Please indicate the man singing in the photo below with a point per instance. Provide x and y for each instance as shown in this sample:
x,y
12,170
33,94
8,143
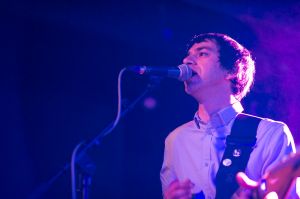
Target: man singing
x,y
200,161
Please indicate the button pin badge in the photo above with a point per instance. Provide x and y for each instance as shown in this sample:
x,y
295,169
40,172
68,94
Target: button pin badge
x,y
227,162
237,152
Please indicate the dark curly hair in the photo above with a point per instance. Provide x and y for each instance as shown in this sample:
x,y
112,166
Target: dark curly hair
x,y
234,58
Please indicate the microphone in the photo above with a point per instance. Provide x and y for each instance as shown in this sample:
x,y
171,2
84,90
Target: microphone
x,y
182,72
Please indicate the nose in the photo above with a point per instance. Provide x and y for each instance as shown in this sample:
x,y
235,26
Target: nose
x,y
188,60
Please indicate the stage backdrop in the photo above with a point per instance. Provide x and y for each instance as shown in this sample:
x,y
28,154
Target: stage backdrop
x,y
60,62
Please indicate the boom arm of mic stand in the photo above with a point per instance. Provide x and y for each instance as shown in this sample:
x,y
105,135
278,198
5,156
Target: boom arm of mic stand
x,y
44,187
97,140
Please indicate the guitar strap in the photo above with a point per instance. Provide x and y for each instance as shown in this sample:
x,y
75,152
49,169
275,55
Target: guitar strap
x,y
239,145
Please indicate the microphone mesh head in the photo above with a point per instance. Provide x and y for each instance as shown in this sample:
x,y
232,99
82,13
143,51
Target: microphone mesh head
x,y
185,72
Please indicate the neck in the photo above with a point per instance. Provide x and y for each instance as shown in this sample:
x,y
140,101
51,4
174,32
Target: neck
x,y
211,106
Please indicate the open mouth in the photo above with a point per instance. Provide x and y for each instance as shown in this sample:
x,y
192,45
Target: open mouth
x,y
194,73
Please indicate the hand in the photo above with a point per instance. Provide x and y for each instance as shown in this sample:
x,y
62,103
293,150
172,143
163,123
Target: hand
x,y
249,189
179,190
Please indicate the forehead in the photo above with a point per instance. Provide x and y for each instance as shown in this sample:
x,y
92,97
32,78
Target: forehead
x,y
210,45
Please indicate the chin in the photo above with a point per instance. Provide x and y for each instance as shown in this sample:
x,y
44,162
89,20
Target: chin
x,y
188,90
192,91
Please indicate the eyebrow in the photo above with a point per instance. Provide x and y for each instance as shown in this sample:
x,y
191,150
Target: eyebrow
x,y
202,48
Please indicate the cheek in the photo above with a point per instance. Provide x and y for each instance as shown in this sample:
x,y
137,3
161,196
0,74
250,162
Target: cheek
x,y
214,73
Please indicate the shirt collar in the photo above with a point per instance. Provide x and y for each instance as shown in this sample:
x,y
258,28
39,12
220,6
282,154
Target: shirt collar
x,y
220,118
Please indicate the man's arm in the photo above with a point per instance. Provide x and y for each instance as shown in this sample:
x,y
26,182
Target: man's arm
x,y
280,181
275,143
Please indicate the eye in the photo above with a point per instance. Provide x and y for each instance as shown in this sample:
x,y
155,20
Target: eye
x,y
203,54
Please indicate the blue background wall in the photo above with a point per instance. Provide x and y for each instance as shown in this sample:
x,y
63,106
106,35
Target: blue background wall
x,y
60,61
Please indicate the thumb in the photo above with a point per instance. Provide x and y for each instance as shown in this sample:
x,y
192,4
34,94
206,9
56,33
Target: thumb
x,y
245,182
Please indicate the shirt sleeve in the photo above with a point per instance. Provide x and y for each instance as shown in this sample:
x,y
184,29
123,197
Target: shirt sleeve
x,y
167,173
278,142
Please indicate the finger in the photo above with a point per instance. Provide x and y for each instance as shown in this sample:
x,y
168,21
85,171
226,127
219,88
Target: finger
x,y
175,185
271,195
186,197
178,193
183,193
179,190
245,182
242,193
187,184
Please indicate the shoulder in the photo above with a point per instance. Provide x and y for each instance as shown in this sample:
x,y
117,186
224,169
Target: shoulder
x,y
273,127
274,142
275,132
268,126
181,132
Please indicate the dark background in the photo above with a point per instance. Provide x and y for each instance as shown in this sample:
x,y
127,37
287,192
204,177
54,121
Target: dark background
x,y
60,62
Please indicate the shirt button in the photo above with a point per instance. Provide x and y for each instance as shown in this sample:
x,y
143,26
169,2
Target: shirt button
x,y
206,164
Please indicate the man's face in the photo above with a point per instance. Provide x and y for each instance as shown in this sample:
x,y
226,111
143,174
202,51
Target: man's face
x,y
203,59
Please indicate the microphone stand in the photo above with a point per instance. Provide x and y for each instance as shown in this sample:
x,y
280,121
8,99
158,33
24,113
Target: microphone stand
x,y
87,168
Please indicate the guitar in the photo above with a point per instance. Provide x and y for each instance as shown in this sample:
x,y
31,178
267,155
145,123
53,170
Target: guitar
x,y
278,181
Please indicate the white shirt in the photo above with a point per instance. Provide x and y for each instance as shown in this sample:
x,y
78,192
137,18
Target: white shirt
x,y
194,150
